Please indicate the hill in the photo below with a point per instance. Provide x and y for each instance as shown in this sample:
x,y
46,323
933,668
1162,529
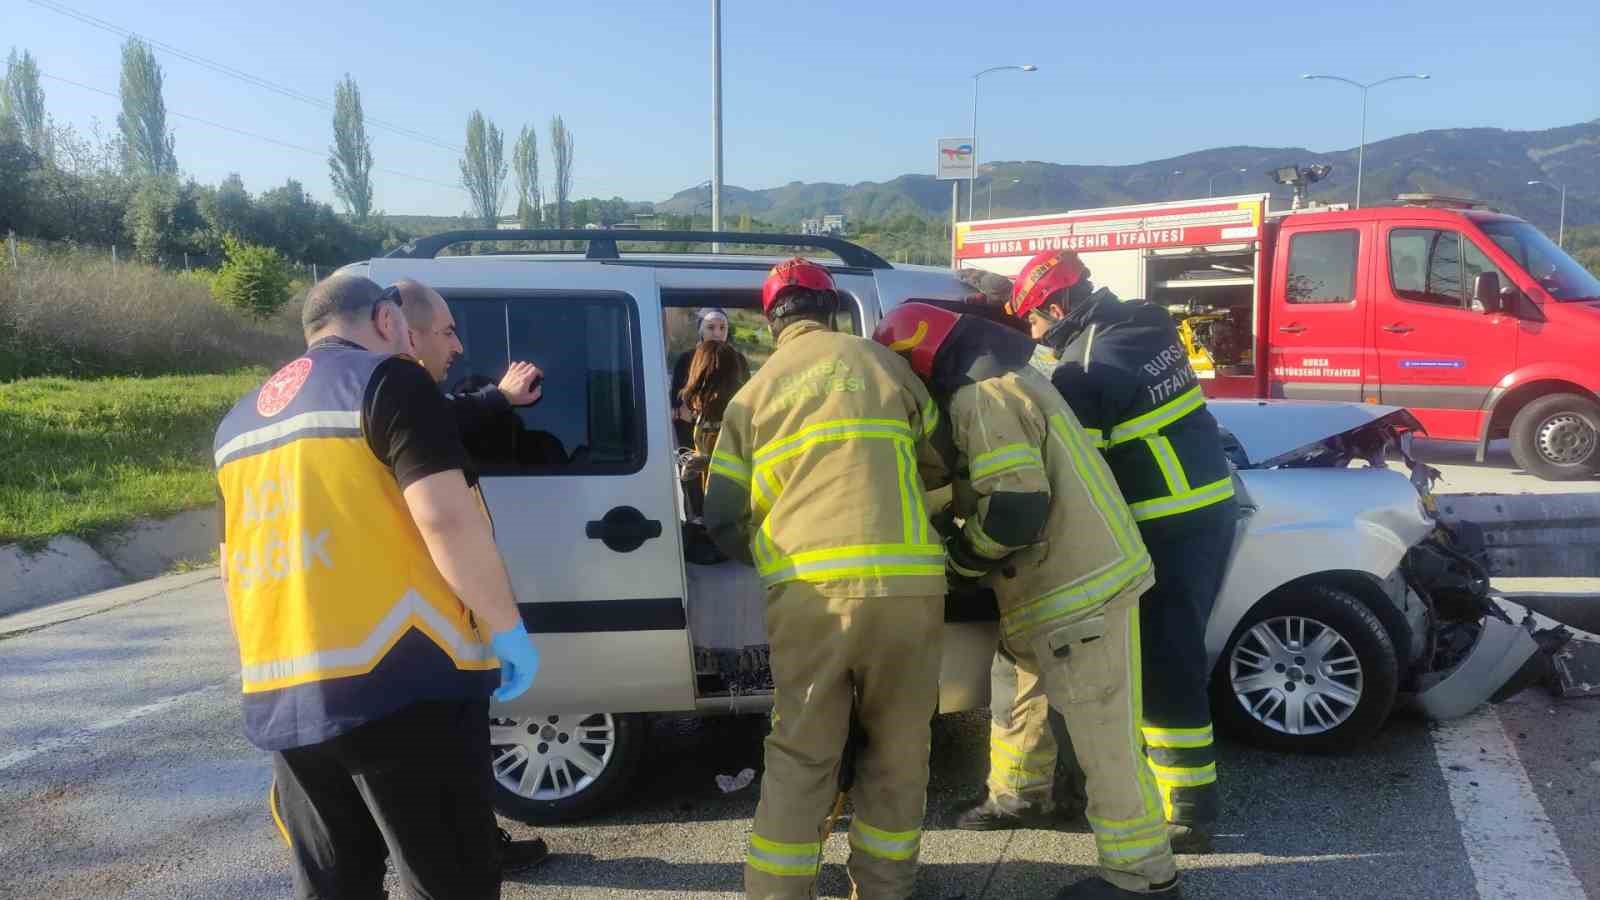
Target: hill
x,y
1488,164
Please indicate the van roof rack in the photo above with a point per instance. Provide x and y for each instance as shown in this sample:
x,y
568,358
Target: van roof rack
x,y
1440,201
602,242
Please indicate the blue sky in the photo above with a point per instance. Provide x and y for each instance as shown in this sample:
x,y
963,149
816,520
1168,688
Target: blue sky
x,y
828,90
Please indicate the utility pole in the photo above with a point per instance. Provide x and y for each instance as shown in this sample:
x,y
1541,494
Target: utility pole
x,y
1561,227
716,120
972,186
1361,150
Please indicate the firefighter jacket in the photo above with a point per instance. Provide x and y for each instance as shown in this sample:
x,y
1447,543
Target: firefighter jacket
x,y
815,475
340,614
1040,505
1124,372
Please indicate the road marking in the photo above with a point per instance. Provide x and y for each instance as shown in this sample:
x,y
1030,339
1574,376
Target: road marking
x,y
88,733
1511,845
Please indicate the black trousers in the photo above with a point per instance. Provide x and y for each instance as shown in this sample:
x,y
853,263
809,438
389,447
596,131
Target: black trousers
x,y
1189,566
415,785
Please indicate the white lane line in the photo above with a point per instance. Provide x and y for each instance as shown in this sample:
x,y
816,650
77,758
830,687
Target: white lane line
x,y
88,733
1511,845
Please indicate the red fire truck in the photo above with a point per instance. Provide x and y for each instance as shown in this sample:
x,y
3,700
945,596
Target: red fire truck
x,y
1474,320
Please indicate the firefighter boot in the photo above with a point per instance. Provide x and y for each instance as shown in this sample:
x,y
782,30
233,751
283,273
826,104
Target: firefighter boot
x,y
1190,839
1100,889
996,814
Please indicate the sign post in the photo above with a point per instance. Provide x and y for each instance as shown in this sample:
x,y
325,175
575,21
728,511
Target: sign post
x,y
955,164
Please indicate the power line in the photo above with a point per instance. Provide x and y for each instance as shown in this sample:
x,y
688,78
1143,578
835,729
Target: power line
x,y
231,72
251,134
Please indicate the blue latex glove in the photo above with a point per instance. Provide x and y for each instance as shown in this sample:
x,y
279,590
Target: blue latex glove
x,y
519,661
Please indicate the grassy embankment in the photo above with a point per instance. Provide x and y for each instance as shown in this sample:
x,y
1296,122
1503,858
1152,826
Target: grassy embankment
x,y
112,381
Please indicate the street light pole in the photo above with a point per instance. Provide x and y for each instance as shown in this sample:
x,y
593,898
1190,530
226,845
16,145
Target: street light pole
x,y
990,214
1361,150
1210,181
716,119
972,182
1561,227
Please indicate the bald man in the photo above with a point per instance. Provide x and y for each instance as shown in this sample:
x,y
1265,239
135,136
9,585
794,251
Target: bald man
x,y
437,346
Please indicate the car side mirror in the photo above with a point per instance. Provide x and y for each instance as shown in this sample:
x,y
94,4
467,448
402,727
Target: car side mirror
x,y
1486,292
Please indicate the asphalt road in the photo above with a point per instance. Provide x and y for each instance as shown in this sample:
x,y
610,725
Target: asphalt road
x,y
123,773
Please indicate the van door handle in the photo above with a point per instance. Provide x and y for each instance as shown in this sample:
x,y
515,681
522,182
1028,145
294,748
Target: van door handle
x,y
623,529
1398,328
1292,328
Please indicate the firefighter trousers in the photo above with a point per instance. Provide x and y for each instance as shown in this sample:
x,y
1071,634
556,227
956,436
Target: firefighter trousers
x,y
1022,751
883,655
1090,670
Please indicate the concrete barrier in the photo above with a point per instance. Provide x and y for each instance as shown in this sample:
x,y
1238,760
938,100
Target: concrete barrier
x,y
68,567
1532,535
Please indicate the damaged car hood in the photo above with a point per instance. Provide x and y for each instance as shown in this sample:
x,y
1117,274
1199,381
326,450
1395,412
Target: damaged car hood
x,y
1262,434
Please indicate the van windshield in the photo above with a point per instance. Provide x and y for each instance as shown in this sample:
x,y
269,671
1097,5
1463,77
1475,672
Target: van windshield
x,y
1557,272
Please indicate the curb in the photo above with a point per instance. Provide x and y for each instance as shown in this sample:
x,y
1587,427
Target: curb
x,y
68,567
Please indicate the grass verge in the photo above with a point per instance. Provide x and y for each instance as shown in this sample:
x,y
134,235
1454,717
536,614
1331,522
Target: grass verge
x,y
83,457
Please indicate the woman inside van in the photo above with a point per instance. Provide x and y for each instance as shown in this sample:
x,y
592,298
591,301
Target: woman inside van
x,y
716,372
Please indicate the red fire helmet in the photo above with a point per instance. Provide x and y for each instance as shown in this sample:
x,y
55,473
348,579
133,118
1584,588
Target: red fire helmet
x,y
917,331
793,273
1046,273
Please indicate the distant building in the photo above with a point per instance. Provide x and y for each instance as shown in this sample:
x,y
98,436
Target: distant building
x,y
833,225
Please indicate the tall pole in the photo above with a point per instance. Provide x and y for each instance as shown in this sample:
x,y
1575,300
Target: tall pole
x,y
716,119
1361,149
1561,226
955,209
972,185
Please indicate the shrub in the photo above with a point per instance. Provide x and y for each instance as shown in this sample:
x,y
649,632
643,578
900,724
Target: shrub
x,y
254,280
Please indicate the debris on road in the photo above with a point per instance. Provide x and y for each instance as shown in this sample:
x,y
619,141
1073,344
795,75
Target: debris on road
x,y
731,783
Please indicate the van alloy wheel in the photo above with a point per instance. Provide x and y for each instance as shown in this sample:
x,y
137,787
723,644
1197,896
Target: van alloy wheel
x,y
551,757
1296,675
1566,439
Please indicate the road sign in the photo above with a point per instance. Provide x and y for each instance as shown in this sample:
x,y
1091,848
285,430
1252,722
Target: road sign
x,y
955,159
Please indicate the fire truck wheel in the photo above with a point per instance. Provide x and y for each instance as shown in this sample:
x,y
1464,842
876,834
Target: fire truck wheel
x,y
1557,437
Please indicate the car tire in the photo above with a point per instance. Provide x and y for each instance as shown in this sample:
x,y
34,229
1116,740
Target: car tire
x,y
1557,437
564,786
1338,694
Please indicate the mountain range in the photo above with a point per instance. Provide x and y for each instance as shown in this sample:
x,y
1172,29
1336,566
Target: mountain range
x,y
1489,164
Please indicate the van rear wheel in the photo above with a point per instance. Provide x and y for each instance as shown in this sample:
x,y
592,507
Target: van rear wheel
x,y
1557,437
556,768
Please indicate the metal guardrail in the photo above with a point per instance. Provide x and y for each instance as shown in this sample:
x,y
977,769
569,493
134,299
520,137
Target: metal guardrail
x,y
1532,535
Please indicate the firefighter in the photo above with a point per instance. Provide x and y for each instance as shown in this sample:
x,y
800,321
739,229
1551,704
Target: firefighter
x,y
1122,368
815,481
1042,525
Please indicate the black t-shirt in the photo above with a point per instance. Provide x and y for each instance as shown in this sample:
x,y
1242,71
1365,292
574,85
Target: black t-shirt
x,y
408,425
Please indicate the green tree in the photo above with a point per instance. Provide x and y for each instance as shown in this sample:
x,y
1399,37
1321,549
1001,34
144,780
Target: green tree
x,y
17,165
254,280
22,103
561,154
483,168
350,157
143,120
525,166
164,219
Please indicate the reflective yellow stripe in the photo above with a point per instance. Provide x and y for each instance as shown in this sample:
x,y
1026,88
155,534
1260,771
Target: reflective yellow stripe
x,y
781,859
1106,496
996,745
830,430
861,561
1171,469
884,844
905,469
730,467
1096,437
272,804
1205,495
1177,738
1013,768
764,492
1158,418
1005,459
1132,848
1155,800
1175,777
1076,598
1123,828
930,417
984,545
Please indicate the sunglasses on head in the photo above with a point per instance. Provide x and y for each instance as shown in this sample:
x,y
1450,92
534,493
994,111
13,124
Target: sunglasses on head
x,y
391,294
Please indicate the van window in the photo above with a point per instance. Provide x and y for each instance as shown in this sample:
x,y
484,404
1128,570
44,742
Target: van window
x,y
1322,267
1425,265
588,420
